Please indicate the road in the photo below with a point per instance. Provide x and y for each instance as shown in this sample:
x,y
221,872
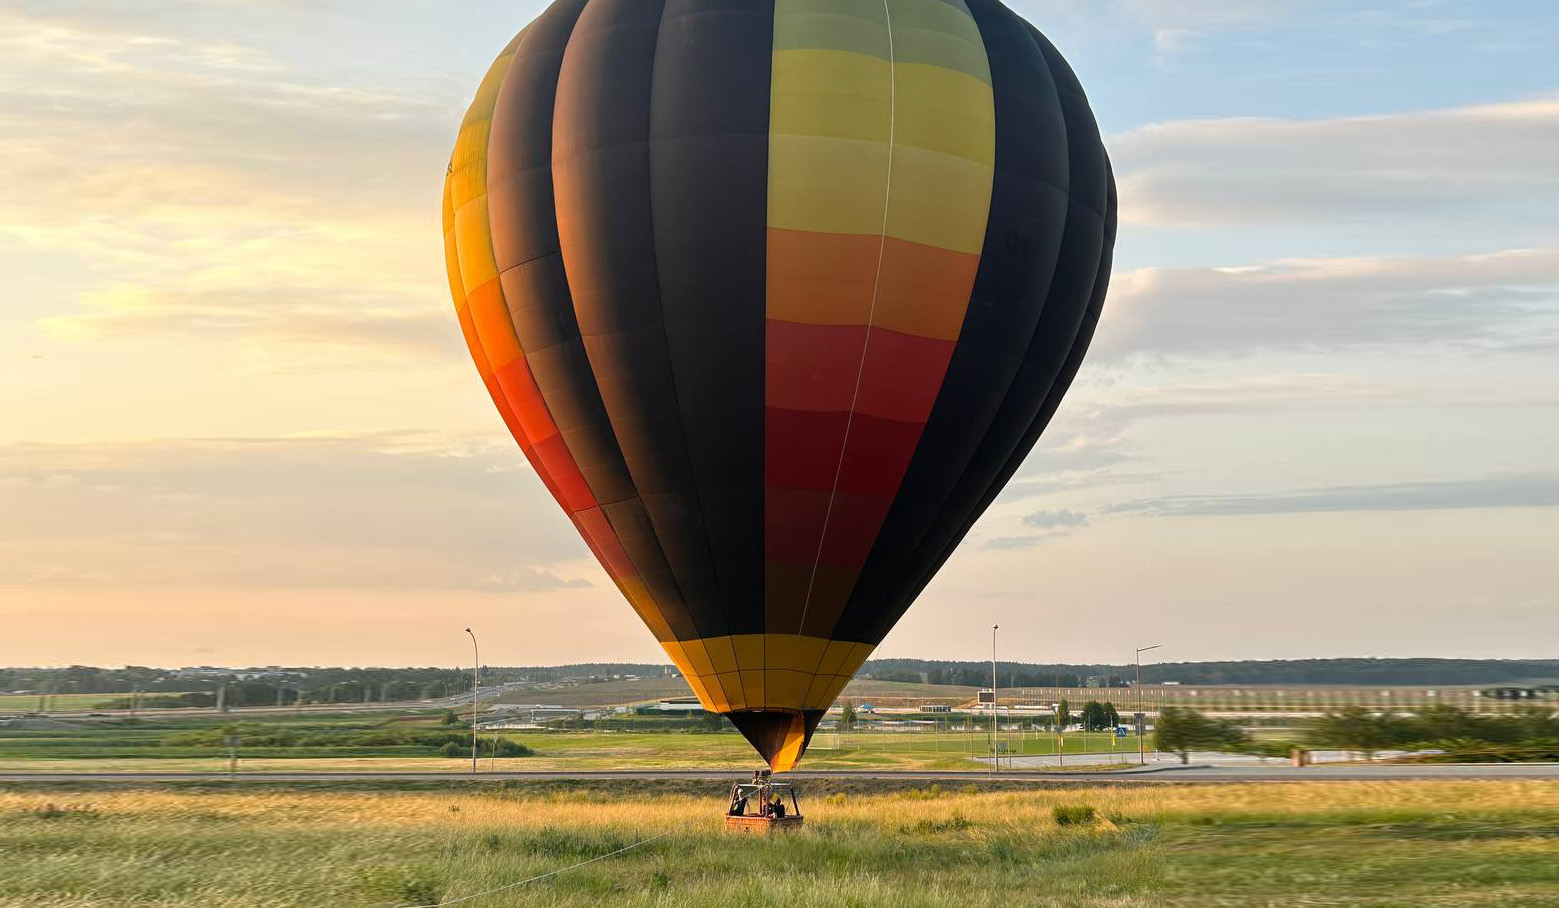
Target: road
x,y
1162,774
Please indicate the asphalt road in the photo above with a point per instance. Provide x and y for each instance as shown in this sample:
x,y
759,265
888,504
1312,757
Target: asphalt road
x,y
1162,774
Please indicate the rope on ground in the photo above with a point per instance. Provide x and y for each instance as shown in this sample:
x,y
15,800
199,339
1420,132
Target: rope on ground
x,y
551,873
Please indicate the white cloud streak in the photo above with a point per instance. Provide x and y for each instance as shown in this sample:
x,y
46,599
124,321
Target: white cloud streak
x,y
382,511
1448,495
1506,300
1494,159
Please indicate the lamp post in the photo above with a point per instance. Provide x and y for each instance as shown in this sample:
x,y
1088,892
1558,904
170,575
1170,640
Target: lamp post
x,y
1142,745
995,757
476,667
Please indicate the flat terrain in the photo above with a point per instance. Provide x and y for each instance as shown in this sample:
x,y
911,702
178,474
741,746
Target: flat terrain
x,y
1161,772
26,703
617,693
1362,845
387,742
602,693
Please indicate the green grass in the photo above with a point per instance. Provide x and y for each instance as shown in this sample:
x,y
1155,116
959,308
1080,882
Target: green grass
x,y
601,693
1480,845
615,693
26,703
194,743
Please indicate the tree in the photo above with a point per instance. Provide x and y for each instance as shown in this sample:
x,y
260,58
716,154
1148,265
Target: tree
x,y
1111,717
1063,714
847,716
1180,730
1356,728
1097,716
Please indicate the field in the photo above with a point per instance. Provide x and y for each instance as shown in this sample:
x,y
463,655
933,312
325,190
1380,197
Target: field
x,y
601,693
398,742
1477,844
26,703
615,693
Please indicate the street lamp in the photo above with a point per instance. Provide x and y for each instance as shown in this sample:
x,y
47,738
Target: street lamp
x,y
1142,710
995,757
476,667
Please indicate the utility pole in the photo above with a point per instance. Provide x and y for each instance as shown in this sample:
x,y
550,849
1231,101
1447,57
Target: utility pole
x,y
995,756
1142,744
476,668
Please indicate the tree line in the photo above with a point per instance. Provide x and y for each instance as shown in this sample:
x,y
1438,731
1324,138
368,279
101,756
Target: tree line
x,y
1288,671
1530,733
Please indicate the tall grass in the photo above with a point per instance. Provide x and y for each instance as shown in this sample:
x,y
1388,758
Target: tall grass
x,y
1358,844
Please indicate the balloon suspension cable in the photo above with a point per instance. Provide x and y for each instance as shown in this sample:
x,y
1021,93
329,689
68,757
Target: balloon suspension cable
x,y
871,312
551,873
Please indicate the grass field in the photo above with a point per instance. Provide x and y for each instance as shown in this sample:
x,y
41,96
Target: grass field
x,y
26,703
170,744
1477,844
615,693
602,693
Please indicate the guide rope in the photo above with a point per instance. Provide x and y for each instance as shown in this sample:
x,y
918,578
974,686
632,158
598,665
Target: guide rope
x,y
551,873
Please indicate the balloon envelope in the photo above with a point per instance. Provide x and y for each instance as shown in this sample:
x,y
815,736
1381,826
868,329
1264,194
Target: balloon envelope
x,y
775,296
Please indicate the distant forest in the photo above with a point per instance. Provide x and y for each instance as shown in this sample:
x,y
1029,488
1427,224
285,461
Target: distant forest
x,y
279,685
1287,671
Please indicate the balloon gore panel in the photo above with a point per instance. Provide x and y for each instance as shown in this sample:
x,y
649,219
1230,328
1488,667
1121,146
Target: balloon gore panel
x,y
775,296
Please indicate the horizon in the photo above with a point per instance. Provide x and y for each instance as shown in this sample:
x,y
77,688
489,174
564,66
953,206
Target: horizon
x,y
874,658
1319,414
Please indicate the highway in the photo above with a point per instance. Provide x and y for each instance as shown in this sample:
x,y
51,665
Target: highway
x,y
1357,772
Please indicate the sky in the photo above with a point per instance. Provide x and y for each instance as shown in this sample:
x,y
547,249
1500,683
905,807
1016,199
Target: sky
x,y
1320,418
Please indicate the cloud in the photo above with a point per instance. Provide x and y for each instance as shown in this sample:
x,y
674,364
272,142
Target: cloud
x,y
1088,444
1494,159
1045,520
213,191
392,510
1017,543
1502,492
1182,16
1211,15
1505,300
1074,452
264,317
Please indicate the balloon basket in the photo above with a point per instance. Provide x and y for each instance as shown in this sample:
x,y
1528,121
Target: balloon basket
x,y
763,806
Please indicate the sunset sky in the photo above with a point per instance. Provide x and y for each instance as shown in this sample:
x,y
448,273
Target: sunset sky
x,y
1321,417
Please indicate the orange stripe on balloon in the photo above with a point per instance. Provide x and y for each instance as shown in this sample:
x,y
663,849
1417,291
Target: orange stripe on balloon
x,y
598,533
827,279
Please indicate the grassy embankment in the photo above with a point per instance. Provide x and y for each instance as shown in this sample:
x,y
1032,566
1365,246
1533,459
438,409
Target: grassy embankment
x,y
1464,844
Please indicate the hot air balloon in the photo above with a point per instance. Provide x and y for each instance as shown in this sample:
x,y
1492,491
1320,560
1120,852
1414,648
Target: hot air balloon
x,y
775,296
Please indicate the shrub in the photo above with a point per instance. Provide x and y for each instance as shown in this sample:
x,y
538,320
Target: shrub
x,y
52,811
453,750
409,885
1072,814
956,823
1180,731
507,748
